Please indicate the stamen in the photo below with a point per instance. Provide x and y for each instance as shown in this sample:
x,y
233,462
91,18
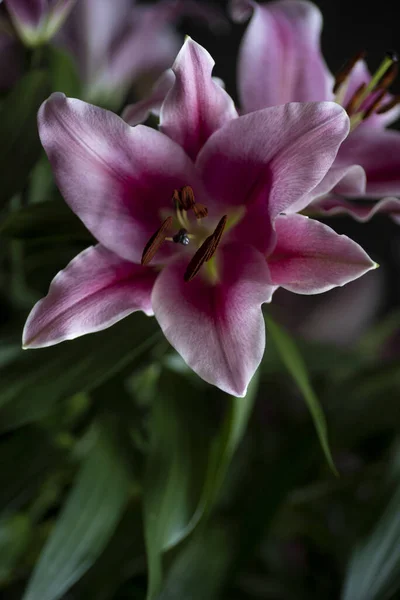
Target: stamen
x,y
374,105
206,250
347,68
354,101
379,76
386,107
388,78
156,240
184,198
200,210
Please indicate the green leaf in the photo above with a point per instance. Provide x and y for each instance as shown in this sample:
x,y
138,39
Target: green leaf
x,y
17,486
374,340
189,457
32,384
374,569
20,144
121,559
46,221
85,525
15,534
200,568
294,363
63,72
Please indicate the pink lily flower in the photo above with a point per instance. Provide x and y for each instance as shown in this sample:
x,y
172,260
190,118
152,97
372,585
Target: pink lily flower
x,y
37,21
196,223
280,61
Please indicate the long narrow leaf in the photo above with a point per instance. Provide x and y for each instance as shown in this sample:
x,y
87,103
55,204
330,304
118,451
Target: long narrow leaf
x,y
295,365
20,145
86,524
190,455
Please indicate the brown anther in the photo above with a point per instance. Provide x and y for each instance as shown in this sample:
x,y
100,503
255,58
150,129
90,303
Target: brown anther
x,y
354,100
374,105
345,71
206,250
156,240
387,78
386,107
184,197
200,210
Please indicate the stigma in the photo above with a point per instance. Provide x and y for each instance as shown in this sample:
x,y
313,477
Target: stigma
x,y
184,203
370,97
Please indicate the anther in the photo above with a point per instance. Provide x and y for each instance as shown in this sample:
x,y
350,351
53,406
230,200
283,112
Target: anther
x,y
184,198
156,240
374,105
388,77
181,237
200,210
354,101
347,68
386,107
206,250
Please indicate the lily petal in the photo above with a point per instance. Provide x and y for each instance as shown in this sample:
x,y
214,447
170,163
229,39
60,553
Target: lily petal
x,y
378,152
196,106
93,292
139,111
280,59
116,178
333,205
218,328
275,156
346,180
27,13
310,258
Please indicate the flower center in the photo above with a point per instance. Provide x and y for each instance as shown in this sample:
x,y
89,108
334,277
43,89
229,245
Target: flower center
x,y
188,233
368,98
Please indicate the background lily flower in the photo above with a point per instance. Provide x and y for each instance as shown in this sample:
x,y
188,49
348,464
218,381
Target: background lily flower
x,y
114,48
280,61
205,262
38,20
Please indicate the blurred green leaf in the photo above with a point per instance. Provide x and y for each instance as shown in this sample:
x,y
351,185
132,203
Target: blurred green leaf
x,y
264,487
17,486
200,569
20,144
123,557
15,534
63,72
86,523
355,405
46,221
294,363
373,341
190,453
42,186
37,379
374,568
